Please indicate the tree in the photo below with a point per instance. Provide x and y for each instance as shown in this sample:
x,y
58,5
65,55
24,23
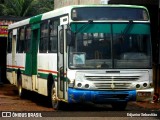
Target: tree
x,y
25,8
44,5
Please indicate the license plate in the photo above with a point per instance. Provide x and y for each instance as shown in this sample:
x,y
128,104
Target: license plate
x,y
144,94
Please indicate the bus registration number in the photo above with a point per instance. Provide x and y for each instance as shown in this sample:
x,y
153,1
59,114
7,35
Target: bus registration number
x,y
144,94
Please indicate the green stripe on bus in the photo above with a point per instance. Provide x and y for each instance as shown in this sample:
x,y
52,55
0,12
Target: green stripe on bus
x,y
35,19
10,69
45,76
13,69
136,28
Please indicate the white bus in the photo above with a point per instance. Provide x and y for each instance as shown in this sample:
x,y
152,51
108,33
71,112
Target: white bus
x,y
83,53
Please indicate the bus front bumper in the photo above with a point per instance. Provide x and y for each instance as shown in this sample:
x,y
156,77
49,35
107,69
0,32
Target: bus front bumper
x,y
145,94
79,96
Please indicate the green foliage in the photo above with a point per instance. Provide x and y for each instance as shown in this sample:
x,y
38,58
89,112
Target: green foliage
x,y
44,5
25,8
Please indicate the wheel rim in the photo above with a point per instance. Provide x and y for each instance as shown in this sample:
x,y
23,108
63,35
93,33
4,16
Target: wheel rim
x,y
20,86
54,98
20,90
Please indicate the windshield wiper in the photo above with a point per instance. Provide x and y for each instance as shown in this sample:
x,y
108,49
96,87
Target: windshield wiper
x,y
84,26
128,27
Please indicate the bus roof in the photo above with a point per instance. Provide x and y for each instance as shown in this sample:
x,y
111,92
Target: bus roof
x,y
63,11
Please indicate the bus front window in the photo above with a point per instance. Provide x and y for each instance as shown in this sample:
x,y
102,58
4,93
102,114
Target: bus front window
x,y
91,50
105,46
132,51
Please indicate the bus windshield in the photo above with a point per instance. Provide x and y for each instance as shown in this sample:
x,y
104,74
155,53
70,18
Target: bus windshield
x,y
108,45
103,13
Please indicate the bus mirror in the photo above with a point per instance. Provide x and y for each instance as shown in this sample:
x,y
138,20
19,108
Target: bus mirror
x,y
70,37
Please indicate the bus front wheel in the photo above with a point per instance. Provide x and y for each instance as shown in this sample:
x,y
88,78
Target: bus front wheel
x,y
56,103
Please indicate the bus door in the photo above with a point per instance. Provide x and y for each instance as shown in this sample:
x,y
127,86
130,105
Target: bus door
x,y
61,64
31,55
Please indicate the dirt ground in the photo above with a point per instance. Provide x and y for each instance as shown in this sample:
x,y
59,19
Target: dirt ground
x,y
10,101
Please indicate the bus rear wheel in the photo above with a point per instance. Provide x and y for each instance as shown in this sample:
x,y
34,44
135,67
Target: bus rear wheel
x,y
20,89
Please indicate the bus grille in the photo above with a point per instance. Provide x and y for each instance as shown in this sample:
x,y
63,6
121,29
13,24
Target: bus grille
x,y
112,82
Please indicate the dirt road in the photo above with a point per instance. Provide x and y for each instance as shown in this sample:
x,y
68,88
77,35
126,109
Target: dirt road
x,y
10,101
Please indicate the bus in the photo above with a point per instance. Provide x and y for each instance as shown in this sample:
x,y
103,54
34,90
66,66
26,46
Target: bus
x,y
83,53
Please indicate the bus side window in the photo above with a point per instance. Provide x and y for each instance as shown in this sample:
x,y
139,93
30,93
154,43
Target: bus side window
x,y
27,38
20,41
52,46
43,46
9,45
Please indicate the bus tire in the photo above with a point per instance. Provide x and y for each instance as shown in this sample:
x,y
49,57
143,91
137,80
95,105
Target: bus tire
x,y
20,89
56,103
119,106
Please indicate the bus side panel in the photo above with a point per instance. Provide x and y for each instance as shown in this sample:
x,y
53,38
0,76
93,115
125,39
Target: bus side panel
x,y
47,64
27,82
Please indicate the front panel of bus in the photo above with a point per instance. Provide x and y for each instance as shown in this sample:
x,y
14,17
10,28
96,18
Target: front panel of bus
x,y
110,55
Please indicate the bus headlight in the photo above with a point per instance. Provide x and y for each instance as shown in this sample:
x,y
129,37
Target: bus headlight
x,y
142,85
86,86
79,85
151,85
145,85
138,86
83,85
